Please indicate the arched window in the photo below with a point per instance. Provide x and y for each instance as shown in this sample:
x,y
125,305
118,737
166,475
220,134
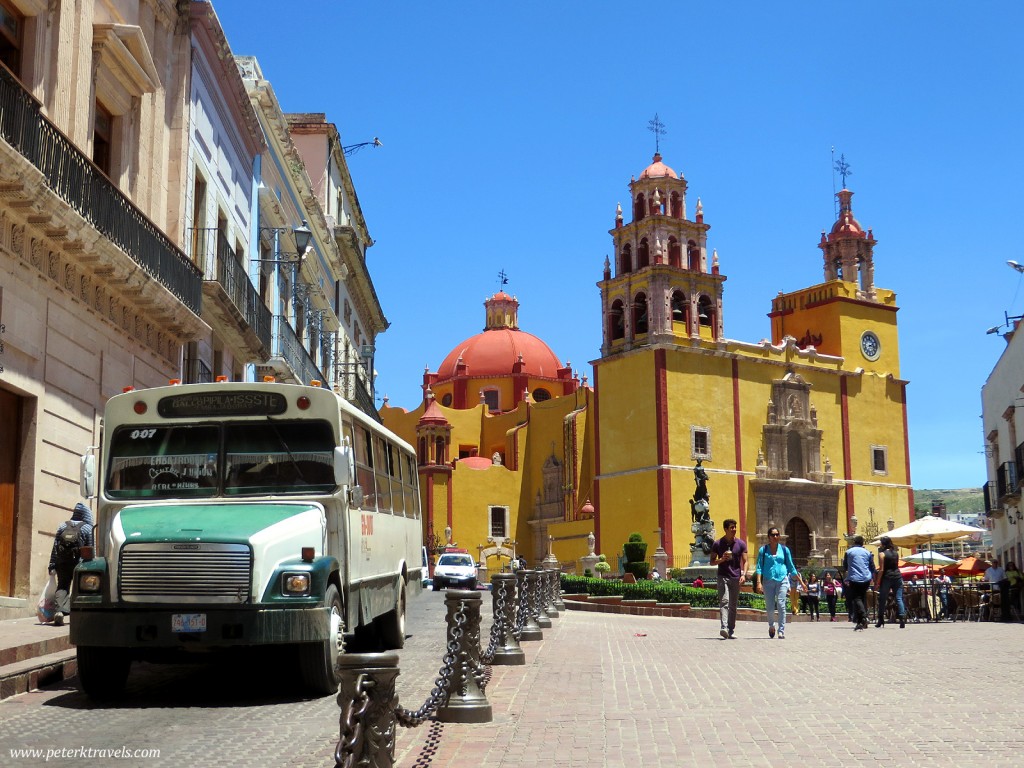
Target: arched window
x,y
675,253
639,207
626,260
643,254
616,322
423,457
676,206
692,256
706,312
439,450
540,395
446,401
640,314
680,309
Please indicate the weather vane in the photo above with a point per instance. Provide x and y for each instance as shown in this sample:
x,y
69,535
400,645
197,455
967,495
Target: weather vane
x,y
843,168
656,127
502,279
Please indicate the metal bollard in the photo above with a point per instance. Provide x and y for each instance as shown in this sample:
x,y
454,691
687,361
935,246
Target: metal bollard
x,y
549,594
535,580
507,650
557,591
528,627
466,702
368,700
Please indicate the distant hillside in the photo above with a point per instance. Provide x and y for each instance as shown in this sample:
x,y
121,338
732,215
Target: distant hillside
x,y
957,500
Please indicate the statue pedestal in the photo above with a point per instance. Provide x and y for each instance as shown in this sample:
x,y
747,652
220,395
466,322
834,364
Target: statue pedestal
x,y
704,535
707,573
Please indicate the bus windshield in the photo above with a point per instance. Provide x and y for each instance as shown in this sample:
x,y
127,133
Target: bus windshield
x,y
234,459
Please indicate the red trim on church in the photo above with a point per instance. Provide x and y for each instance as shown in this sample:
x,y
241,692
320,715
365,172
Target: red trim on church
x,y
664,475
596,499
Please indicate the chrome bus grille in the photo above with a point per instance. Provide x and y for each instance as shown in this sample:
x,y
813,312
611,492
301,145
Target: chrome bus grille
x,y
185,573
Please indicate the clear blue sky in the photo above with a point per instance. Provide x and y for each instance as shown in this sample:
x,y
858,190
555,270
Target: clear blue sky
x,y
511,131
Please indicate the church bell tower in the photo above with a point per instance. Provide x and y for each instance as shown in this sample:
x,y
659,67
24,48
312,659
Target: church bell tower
x,y
662,286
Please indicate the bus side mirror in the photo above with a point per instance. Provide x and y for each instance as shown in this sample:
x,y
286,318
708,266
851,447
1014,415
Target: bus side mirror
x,y
344,467
87,476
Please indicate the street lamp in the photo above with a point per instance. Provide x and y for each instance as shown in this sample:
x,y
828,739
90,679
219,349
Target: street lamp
x,y
302,235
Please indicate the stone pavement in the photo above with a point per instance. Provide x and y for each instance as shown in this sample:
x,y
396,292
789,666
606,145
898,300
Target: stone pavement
x,y
619,690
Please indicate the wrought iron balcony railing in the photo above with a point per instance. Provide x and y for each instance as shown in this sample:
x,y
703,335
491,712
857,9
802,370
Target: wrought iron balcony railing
x,y
197,372
220,264
287,346
1006,479
83,186
354,389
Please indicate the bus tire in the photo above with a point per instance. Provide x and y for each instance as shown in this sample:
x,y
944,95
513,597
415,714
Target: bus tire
x,y
392,624
318,662
102,672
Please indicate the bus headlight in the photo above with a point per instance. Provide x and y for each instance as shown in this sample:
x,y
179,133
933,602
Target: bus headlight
x,y
295,583
89,583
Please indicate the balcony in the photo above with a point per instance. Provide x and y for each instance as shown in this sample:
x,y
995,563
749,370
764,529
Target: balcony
x,y
289,357
992,508
1006,480
232,306
353,388
195,371
69,181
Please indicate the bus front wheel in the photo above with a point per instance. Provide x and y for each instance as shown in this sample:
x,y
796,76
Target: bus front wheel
x,y
318,662
102,672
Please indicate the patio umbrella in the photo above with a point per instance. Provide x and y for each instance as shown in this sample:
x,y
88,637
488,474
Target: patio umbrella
x,y
926,530
929,558
909,571
971,565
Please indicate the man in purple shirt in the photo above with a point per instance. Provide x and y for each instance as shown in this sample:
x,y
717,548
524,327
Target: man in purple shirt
x,y
730,555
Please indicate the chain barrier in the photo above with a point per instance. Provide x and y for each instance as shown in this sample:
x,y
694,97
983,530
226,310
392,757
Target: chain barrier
x,y
523,607
439,693
353,729
497,627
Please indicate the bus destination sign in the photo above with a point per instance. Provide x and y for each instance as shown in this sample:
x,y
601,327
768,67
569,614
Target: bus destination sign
x,y
211,404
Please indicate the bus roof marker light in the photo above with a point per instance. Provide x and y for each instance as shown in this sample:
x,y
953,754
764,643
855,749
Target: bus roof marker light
x,y
127,389
308,553
221,378
140,407
174,382
303,402
268,379
315,383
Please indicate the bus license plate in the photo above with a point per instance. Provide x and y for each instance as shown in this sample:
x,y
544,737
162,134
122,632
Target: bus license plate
x,y
188,622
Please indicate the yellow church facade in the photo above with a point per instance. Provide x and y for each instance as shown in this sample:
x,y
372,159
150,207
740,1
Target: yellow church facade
x,y
806,430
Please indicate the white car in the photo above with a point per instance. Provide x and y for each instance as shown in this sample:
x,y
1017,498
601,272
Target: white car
x,y
455,570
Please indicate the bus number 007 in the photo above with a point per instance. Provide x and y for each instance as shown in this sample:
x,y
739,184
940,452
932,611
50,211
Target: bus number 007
x,y
142,434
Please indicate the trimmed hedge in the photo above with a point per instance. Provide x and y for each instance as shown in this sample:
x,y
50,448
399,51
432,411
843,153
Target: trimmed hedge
x,y
662,591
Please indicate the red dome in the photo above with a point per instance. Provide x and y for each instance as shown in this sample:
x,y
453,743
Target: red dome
x,y
658,170
494,352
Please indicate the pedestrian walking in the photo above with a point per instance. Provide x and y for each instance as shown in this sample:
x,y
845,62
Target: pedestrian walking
x,y
831,590
814,596
730,555
859,567
889,580
71,536
774,570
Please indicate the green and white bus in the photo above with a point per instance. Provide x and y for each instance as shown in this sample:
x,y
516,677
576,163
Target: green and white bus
x,y
243,514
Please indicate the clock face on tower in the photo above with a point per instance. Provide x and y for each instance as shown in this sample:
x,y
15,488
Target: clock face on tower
x,y
870,346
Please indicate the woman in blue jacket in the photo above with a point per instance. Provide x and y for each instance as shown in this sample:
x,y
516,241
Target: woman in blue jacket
x,y
773,571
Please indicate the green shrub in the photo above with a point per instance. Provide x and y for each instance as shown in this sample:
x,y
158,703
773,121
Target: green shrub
x,y
635,537
587,573
640,570
635,549
603,566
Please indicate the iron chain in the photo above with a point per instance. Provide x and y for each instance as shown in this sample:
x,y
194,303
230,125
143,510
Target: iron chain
x,y
439,694
353,728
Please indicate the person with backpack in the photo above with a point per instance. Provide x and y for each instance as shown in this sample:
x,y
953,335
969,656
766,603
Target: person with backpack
x,y
773,571
71,536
